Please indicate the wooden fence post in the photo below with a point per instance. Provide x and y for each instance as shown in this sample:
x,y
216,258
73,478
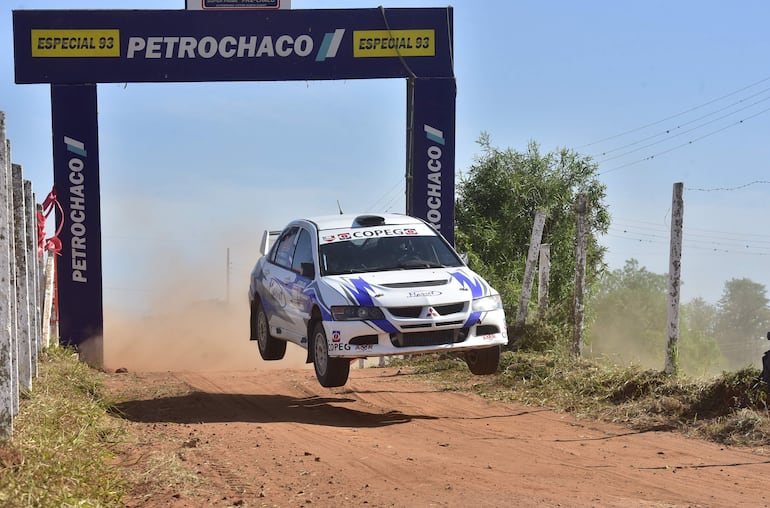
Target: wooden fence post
x,y
22,291
580,274
543,281
529,276
674,272
6,358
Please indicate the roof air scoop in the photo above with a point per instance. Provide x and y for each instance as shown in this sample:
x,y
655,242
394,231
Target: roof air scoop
x,y
369,220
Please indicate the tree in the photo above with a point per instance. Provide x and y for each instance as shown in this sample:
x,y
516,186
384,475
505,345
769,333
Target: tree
x,y
698,348
496,204
743,319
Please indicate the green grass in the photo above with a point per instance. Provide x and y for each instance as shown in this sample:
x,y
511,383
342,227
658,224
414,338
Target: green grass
x,y
730,409
63,440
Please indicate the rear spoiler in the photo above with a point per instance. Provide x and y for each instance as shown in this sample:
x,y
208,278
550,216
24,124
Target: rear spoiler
x,y
268,238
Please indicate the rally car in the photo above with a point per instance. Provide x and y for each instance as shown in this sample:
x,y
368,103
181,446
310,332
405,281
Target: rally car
x,y
346,287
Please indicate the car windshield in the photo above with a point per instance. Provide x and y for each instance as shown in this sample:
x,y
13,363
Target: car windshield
x,y
387,253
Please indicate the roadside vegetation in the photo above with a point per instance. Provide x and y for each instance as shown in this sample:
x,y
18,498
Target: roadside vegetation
x,y
730,408
63,440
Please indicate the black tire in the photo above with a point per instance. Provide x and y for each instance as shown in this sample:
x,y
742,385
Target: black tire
x,y
483,362
330,372
270,348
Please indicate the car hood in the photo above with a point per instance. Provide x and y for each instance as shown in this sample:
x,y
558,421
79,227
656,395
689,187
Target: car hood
x,y
409,287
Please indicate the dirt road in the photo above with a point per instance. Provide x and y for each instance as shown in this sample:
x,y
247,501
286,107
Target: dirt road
x,y
276,438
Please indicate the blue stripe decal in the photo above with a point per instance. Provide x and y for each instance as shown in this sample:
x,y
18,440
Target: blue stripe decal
x,y
475,286
361,292
473,319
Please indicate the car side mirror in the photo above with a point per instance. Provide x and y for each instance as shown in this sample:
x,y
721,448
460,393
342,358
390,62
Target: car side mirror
x,y
308,270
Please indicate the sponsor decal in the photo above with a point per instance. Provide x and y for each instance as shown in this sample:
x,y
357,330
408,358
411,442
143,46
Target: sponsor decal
x,y
423,293
233,46
393,43
335,336
76,43
339,347
77,204
364,347
276,291
434,174
370,233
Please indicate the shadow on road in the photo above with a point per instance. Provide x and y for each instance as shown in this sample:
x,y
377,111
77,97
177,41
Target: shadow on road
x,y
200,407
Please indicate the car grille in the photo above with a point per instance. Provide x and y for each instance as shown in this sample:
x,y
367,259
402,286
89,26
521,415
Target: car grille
x,y
416,311
431,338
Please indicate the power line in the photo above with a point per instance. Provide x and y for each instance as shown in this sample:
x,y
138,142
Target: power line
x,y
715,189
685,144
687,131
694,108
668,131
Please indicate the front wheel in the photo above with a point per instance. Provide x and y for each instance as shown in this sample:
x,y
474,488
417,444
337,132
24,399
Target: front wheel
x,y
330,372
483,362
270,348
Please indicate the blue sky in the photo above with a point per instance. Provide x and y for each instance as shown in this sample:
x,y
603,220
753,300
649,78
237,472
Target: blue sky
x,y
661,88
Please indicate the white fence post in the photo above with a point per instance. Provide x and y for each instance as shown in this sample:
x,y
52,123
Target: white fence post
x,y
12,259
32,286
48,301
23,336
6,358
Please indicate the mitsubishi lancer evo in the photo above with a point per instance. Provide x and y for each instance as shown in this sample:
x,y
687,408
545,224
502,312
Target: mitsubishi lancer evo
x,y
346,287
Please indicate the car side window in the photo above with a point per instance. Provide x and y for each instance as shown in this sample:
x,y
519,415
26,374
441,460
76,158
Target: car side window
x,y
284,249
304,251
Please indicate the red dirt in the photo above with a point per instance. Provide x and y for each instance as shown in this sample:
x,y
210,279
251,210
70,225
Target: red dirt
x,y
276,438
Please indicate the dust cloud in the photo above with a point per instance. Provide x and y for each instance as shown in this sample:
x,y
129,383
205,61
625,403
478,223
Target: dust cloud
x,y
180,317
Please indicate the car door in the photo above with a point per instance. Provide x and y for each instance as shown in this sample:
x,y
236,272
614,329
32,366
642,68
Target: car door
x,y
303,268
277,284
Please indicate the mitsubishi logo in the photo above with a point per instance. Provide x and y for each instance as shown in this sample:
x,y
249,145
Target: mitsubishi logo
x,y
432,313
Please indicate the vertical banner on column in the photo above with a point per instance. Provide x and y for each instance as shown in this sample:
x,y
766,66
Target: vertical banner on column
x,y
433,156
76,179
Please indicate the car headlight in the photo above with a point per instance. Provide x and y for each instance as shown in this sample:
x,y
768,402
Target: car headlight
x,y
356,313
487,303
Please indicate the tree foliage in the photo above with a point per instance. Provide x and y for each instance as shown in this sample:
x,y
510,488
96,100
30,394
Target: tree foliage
x,y
495,209
743,319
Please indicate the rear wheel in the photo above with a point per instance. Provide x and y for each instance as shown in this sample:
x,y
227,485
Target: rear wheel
x,y
270,348
483,362
330,372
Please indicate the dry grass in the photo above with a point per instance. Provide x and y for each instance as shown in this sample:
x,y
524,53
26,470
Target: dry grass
x,y
730,409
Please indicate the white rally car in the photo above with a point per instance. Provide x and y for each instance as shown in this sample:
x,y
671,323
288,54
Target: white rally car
x,y
347,287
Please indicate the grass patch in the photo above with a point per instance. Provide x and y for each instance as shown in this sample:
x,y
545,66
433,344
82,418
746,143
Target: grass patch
x,y
63,440
729,409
